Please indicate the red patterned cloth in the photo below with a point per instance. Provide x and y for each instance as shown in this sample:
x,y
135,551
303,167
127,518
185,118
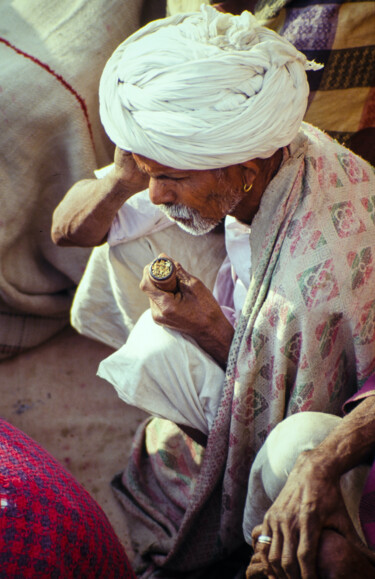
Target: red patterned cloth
x,y
50,527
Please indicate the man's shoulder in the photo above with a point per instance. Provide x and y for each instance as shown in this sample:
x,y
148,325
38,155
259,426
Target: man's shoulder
x,y
319,140
328,156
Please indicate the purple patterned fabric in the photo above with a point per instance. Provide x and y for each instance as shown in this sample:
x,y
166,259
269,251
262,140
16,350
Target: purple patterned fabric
x,y
339,35
311,28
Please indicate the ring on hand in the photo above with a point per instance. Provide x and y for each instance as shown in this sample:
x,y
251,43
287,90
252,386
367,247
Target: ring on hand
x,y
265,539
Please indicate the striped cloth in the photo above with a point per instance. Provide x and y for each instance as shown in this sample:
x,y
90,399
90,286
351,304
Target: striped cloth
x,y
341,35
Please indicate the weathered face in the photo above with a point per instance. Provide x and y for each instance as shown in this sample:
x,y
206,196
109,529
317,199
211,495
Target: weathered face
x,y
196,200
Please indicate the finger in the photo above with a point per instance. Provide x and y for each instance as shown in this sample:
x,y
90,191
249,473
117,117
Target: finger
x,y
156,313
307,549
183,276
165,256
121,152
265,529
278,532
156,294
286,553
259,571
146,284
259,566
122,157
177,264
262,549
275,553
255,533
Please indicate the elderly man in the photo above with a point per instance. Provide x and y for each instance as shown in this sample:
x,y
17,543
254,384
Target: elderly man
x,y
206,109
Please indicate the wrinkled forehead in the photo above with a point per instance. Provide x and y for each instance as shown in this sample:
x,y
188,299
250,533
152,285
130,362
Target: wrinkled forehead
x,y
152,167
146,164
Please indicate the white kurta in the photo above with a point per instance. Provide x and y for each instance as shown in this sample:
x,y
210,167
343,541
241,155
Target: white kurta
x,y
162,371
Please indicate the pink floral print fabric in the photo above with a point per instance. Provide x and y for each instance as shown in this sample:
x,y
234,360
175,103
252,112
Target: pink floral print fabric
x,y
305,341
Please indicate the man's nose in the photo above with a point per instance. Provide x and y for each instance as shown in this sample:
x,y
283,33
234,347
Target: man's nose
x,y
161,192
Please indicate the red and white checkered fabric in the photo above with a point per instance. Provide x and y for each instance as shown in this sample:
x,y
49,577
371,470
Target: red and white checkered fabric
x,y
50,527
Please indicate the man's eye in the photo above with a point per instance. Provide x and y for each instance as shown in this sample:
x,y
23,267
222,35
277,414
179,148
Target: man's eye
x,y
169,178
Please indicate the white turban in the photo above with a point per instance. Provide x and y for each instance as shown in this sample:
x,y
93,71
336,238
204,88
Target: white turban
x,y
204,90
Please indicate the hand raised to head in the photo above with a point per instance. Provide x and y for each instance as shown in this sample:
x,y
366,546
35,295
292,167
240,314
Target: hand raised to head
x,y
126,171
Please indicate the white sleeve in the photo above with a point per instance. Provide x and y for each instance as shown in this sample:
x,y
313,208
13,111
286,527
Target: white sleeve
x,y
136,218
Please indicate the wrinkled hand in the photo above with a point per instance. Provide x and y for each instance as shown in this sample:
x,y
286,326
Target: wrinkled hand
x,y
259,567
310,501
192,310
127,172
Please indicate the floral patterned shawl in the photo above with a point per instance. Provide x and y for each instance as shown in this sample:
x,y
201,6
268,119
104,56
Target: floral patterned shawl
x,y
305,341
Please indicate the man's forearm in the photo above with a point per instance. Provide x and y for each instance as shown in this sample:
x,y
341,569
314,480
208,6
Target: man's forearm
x,y
350,443
217,344
84,216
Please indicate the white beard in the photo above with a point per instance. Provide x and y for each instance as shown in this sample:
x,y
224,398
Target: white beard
x,y
192,221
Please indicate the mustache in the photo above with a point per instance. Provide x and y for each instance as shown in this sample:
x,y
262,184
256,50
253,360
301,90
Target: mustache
x,y
178,211
188,219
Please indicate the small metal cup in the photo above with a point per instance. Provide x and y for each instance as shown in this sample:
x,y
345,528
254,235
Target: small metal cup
x,y
162,273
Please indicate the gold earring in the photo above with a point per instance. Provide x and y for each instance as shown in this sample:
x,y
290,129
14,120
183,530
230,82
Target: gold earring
x,y
247,188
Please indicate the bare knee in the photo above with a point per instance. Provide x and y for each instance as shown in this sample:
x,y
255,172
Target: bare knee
x,y
340,559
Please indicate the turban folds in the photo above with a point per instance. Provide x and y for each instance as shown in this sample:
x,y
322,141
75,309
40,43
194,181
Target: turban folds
x,y
204,90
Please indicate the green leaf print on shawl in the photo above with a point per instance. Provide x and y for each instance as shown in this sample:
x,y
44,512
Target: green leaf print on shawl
x,y
305,341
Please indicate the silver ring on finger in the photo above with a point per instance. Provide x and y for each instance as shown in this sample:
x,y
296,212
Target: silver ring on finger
x,y
264,539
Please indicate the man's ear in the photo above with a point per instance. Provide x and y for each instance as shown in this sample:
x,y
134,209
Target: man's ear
x,y
250,170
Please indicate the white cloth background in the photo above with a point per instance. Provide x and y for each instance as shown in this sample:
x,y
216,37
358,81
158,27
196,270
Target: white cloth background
x,y
52,54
